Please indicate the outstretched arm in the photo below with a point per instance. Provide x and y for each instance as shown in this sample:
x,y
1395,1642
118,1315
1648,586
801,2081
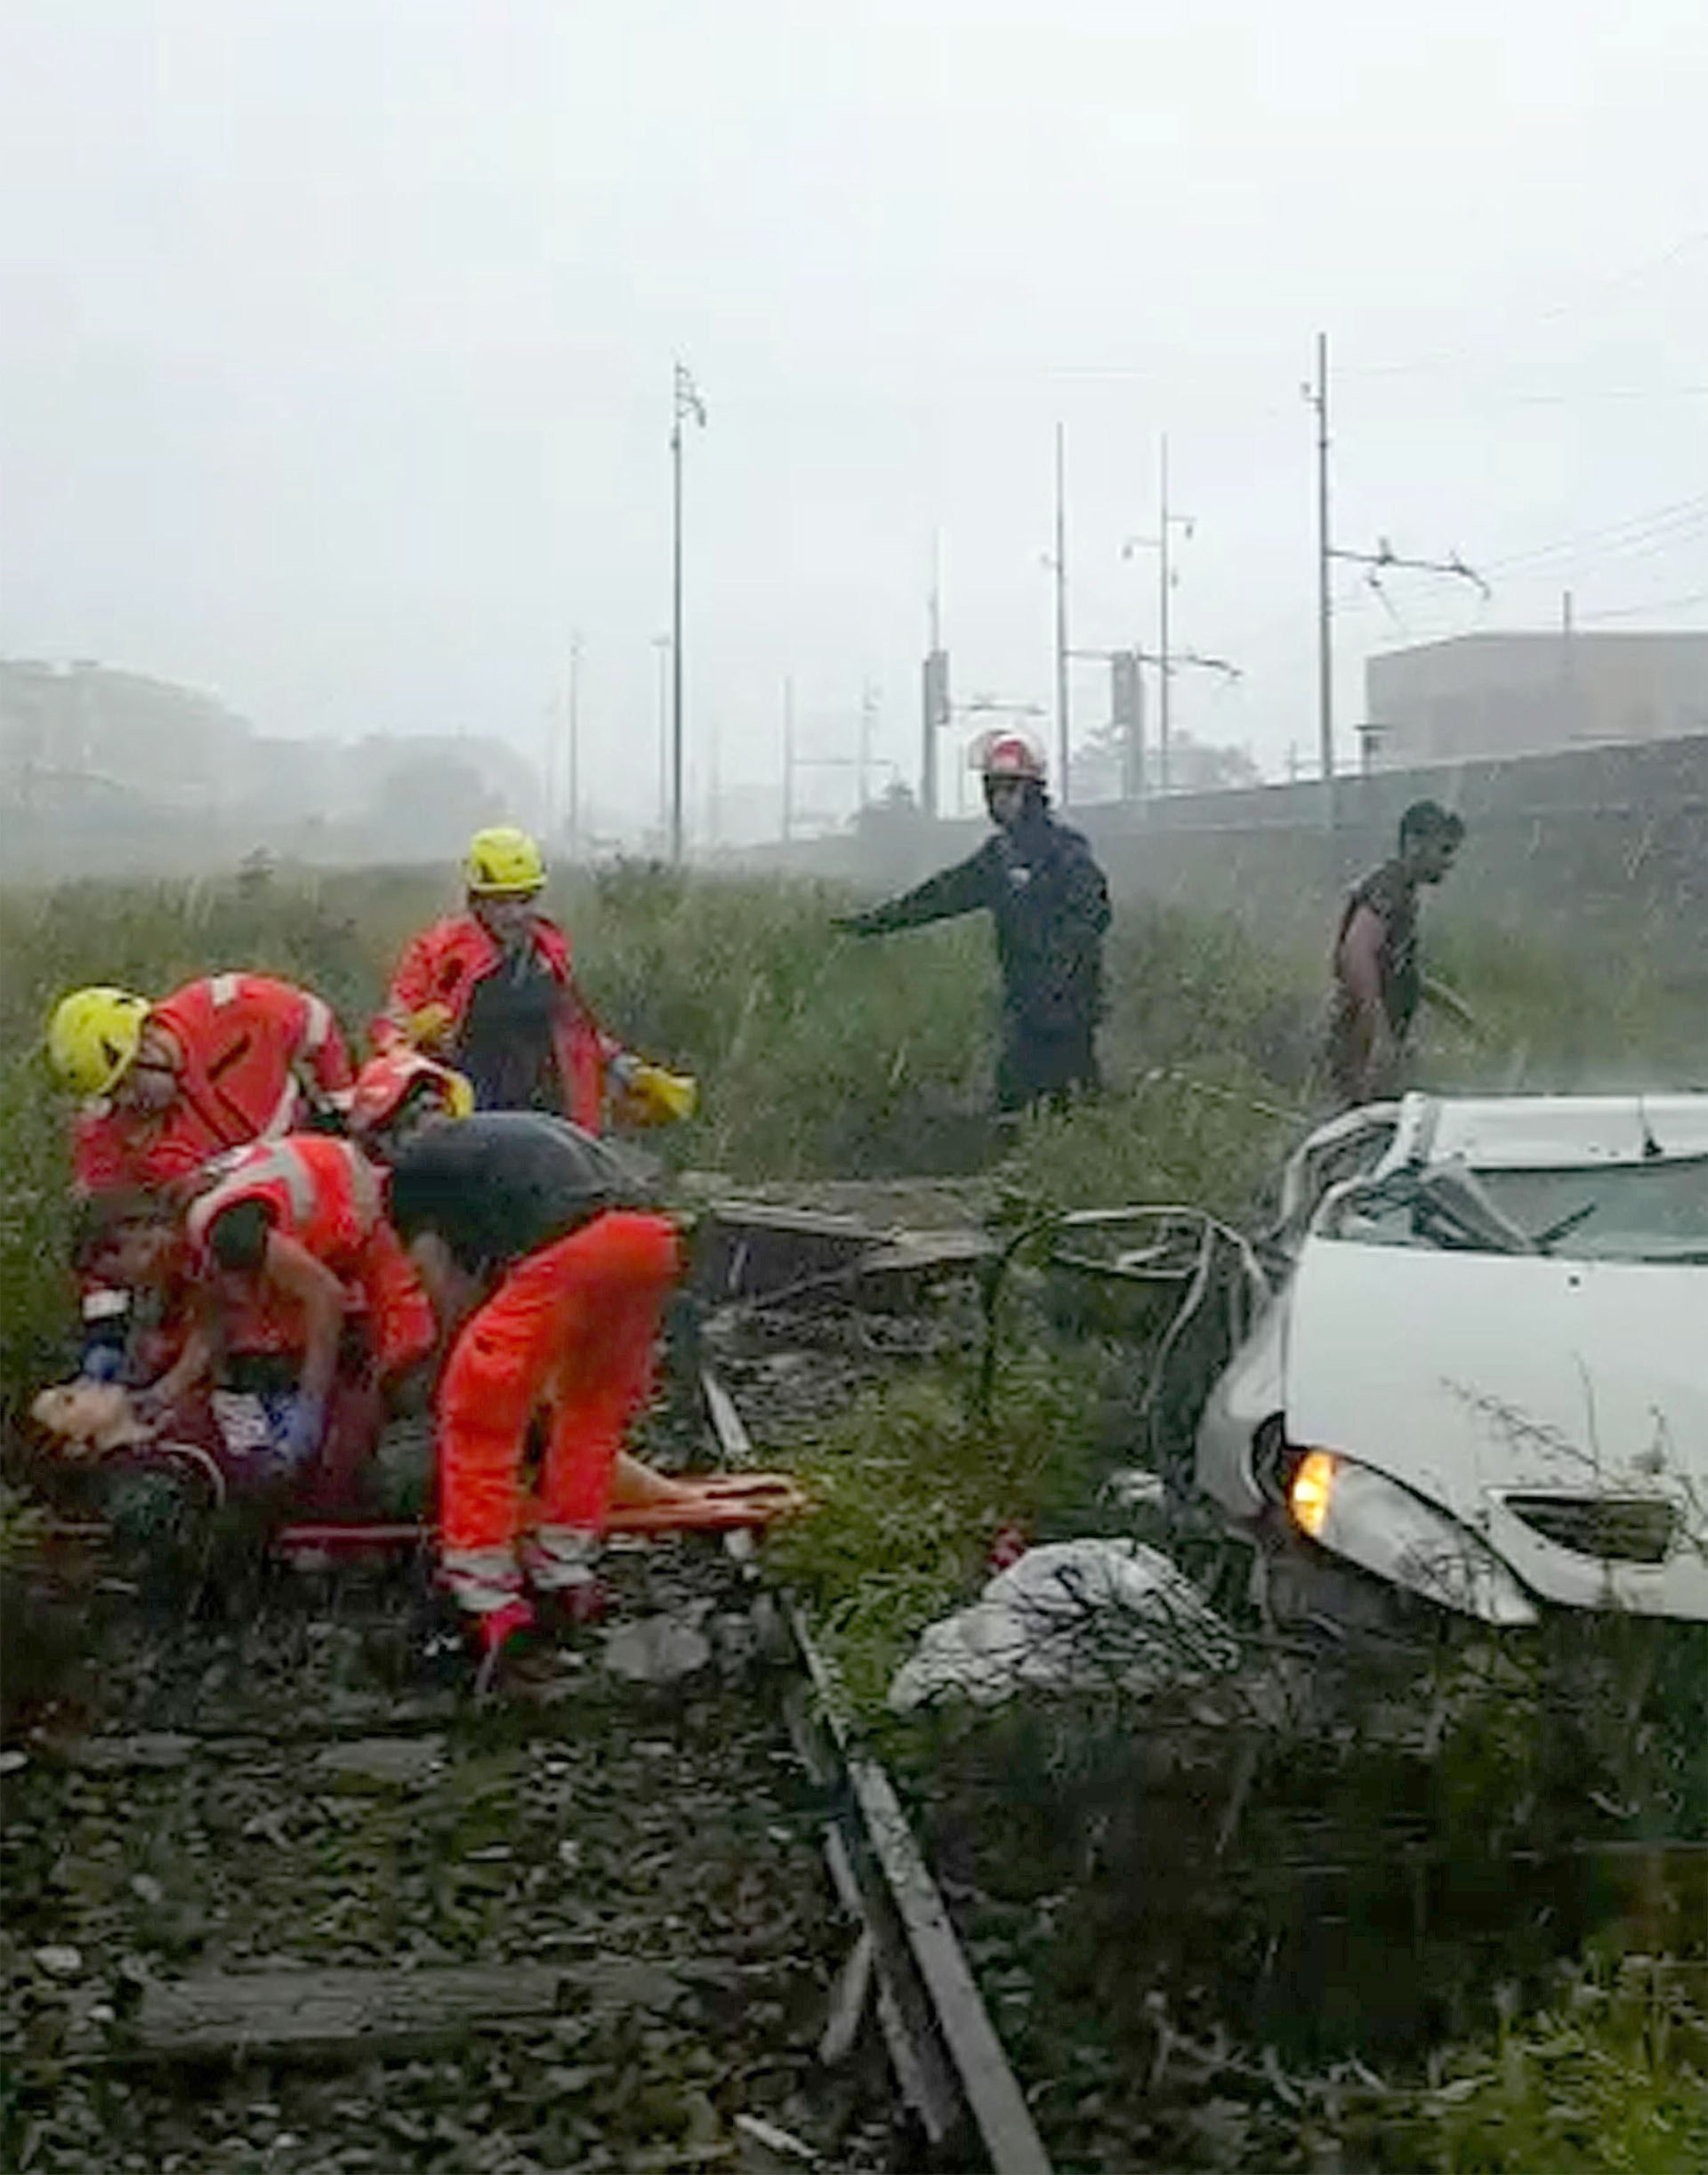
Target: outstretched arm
x,y
960,890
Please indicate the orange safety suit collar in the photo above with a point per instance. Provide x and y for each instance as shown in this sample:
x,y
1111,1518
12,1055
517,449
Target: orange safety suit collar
x,y
254,1056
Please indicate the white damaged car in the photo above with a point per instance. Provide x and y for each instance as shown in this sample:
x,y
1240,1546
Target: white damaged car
x,y
1483,1378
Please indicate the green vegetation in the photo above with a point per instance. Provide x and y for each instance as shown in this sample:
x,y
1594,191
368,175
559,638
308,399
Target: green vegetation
x,y
819,1055
912,1486
1591,2089
823,1057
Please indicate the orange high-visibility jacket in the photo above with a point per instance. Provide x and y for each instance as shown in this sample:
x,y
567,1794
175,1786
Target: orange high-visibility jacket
x,y
321,1192
325,1194
257,1056
447,964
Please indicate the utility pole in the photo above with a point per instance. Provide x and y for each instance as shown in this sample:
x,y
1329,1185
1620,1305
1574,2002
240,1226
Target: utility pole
x,y
661,646
1375,563
1319,399
934,707
788,760
1162,543
686,403
1060,564
1127,716
1164,674
868,722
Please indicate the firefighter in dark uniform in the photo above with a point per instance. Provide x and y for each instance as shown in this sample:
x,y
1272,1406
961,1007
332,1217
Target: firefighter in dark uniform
x,y
1050,907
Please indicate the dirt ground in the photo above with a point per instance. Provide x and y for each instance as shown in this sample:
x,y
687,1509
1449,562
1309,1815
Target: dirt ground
x,y
295,1791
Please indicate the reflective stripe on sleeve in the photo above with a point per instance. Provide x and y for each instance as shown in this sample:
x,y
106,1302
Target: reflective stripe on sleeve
x,y
282,1161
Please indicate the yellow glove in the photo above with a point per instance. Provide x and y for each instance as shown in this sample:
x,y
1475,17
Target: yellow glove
x,y
429,1028
651,1096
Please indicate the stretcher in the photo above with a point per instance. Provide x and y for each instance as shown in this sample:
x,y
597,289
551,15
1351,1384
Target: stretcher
x,y
721,1503
95,1428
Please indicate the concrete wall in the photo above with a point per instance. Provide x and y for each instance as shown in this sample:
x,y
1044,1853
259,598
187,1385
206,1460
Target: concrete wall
x,y
1500,696
1605,847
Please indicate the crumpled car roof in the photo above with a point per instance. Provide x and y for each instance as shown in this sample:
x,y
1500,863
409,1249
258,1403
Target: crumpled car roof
x,y
1549,1132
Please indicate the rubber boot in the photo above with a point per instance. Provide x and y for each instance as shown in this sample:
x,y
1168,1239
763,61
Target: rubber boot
x,y
501,1638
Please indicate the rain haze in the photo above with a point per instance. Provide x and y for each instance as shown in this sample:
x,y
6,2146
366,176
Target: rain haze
x,y
854,1086
338,345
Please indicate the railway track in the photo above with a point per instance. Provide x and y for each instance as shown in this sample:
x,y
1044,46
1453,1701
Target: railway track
x,y
287,1903
281,1901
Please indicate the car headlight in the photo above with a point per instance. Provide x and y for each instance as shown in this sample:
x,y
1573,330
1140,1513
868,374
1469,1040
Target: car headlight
x,y
1312,1491
1356,1513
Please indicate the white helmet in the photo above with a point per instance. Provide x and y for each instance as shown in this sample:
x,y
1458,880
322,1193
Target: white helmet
x,y
1004,753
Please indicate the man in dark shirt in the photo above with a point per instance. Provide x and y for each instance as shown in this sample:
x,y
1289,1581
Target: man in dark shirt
x,y
1379,980
539,1250
1050,907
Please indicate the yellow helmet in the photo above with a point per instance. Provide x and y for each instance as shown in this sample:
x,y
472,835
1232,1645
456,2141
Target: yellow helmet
x,y
503,862
93,1037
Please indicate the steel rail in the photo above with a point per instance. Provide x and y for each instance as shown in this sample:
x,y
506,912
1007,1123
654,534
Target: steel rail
x,y
947,2056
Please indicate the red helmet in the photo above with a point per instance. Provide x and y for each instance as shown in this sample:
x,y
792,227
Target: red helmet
x,y
386,1082
1003,752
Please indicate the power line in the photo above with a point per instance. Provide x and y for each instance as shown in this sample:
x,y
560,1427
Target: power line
x,y
1681,513
1641,611
1611,284
1662,531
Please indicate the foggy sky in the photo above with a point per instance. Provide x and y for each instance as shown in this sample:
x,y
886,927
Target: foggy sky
x,y
337,336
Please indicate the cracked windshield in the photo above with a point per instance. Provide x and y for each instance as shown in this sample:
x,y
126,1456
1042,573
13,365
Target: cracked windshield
x,y
853,1087
1647,1212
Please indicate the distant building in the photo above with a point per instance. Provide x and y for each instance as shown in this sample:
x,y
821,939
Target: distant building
x,y
75,732
131,773
1489,695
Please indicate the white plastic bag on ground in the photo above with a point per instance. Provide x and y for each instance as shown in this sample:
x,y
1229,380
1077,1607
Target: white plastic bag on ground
x,y
1076,1615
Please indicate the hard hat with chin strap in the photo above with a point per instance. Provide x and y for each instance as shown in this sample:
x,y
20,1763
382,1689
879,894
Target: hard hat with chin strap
x,y
93,1036
386,1082
503,863
1004,754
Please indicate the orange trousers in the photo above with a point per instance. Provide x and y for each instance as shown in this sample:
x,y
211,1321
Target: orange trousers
x,y
572,1327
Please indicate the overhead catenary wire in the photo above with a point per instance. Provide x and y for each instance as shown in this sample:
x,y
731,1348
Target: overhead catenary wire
x,y
1611,283
1642,611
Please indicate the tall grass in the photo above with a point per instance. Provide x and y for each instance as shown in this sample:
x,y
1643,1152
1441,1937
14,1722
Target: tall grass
x,y
819,1055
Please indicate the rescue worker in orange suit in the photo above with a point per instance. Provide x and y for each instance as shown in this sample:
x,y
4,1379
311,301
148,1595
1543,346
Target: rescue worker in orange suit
x,y
545,1260
222,1061
399,1094
288,1250
491,992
